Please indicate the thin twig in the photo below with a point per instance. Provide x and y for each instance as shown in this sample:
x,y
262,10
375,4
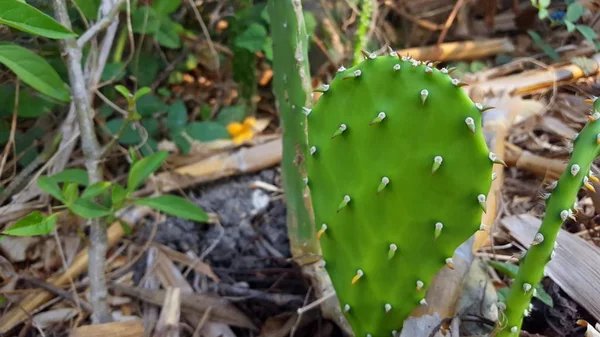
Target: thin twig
x,y
450,19
99,26
205,32
57,291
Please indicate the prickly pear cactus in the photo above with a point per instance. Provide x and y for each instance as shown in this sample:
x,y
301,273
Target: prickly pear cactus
x,y
560,206
398,171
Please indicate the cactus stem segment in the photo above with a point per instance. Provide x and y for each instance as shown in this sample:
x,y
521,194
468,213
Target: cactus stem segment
x,y
575,169
380,116
359,274
424,95
526,287
387,307
437,162
438,230
481,199
392,251
420,285
339,130
450,263
321,231
383,184
514,329
470,124
344,202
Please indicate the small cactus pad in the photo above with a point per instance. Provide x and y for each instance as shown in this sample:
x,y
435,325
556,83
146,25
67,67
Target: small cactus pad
x,y
560,206
398,172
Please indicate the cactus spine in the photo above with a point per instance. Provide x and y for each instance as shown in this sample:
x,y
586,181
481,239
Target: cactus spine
x,y
293,89
560,205
398,172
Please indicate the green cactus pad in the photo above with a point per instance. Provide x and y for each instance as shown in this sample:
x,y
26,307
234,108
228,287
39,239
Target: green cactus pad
x,y
560,204
398,171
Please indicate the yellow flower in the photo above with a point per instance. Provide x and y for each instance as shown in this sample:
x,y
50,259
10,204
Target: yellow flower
x,y
242,132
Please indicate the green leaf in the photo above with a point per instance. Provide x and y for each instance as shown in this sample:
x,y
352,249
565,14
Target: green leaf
x,y
168,33
177,116
33,70
166,7
310,22
50,186
253,38
537,39
88,209
113,72
175,206
89,8
150,104
234,113
129,136
26,18
587,32
544,3
126,227
543,13
207,131
182,142
118,196
143,168
507,269
543,296
32,104
141,92
570,26
32,225
71,192
147,68
574,12
123,91
78,176
96,189
145,20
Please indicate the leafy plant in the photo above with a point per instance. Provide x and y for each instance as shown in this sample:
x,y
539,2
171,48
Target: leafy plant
x,y
102,199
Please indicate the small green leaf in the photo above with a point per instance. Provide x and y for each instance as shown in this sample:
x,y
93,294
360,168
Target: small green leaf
x,y
78,176
126,227
147,68
507,269
50,186
544,3
543,296
143,168
168,33
543,13
544,46
88,209
234,113
124,91
145,20
71,192
129,136
570,26
587,32
175,206
89,8
96,189
207,131
150,104
141,92
32,225
33,70
177,116
253,38
118,196
26,18
113,72
166,7
574,12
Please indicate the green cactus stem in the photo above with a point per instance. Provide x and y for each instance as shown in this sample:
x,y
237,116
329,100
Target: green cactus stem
x,y
292,88
560,206
398,172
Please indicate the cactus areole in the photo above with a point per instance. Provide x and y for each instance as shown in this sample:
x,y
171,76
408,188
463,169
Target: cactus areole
x,y
398,171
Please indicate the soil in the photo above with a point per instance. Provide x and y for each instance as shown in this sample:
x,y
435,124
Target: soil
x,y
249,251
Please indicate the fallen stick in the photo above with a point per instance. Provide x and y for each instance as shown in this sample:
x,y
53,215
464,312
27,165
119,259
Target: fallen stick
x,y
460,51
132,328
